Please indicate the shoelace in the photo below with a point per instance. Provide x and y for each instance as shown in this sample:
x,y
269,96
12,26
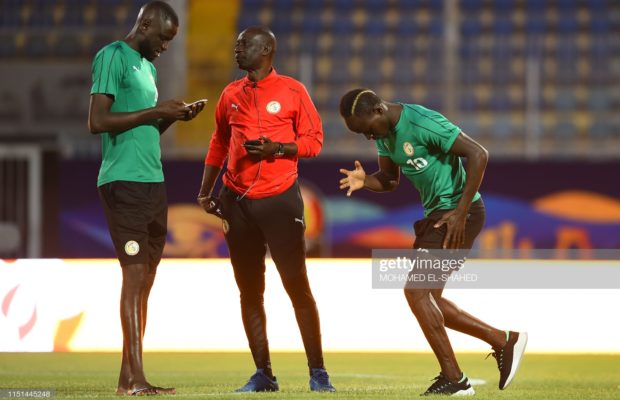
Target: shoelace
x,y
254,378
438,386
498,354
438,389
321,377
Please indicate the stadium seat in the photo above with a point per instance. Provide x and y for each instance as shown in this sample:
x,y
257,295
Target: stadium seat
x,y
397,46
312,23
502,127
8,46
252,5
9,15
36,46
565,129
468,101
500,101
248,19
68,46
471,5
502,25
469,124
600,130
41,16
599,100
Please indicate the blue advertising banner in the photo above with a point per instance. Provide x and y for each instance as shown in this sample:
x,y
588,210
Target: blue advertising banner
x,y
543,205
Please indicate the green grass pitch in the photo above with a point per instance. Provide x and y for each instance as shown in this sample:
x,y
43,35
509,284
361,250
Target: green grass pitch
x,y
355,375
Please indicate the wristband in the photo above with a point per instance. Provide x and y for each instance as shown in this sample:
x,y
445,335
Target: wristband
x,y
280,151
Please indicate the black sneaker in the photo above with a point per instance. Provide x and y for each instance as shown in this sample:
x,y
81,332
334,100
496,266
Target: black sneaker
x,y
509,357
443,386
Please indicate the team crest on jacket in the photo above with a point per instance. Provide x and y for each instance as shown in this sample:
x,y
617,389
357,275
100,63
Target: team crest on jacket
x,y
408,148
273,107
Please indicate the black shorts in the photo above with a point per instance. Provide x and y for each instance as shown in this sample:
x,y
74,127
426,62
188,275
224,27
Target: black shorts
x,y
440,264
137,215
429,237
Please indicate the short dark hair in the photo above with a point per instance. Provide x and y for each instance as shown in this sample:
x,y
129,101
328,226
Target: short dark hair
x,y
360,101
166,12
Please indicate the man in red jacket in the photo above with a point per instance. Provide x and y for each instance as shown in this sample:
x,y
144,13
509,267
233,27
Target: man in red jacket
x,y
264,123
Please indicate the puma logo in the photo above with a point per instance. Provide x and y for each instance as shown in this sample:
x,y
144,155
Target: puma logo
x,y
300,220
234,106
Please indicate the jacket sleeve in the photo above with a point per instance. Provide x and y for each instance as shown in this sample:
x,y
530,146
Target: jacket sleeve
x,y
308,126
220,141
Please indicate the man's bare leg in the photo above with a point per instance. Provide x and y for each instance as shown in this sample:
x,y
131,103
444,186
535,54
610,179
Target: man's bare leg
x,y
138,280
457,319
431,321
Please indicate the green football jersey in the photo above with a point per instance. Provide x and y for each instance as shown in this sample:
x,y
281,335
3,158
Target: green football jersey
x,y
420,146
135,154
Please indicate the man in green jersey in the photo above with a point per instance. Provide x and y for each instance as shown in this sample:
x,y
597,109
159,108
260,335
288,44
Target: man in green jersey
x,y
427,148
124,110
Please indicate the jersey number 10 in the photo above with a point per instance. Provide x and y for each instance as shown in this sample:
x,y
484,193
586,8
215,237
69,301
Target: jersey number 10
x,y
417,163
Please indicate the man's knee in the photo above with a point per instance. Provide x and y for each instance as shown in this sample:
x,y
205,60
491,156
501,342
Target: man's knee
x,y
425,307
415,294
298,289
416,297
251,287
251,298
305,300
135,275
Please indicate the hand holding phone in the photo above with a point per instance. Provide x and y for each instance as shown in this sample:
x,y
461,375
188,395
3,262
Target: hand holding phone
x,y
211,205
257,142
196,103
193,109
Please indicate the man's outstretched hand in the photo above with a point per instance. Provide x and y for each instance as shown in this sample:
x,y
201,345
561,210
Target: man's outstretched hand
x,y
354,179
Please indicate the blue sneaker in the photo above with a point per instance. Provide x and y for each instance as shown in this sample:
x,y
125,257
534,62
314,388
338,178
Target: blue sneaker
x,y
319,381
259,382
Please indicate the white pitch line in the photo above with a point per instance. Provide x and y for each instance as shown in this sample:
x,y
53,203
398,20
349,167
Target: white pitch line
x,y
475,381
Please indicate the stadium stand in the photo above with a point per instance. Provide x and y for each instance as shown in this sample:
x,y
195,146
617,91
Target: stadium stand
x,y
397,47
62,29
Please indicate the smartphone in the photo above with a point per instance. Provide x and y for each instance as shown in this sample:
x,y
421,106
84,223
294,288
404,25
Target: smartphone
x,y
196,103
252,142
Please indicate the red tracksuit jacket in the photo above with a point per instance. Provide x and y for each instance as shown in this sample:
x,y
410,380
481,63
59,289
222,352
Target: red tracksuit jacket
x,y
277,107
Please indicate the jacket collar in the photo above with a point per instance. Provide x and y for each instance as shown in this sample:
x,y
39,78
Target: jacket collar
x,y
271,77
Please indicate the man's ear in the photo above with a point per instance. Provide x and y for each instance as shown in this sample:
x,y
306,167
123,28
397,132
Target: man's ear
x,y
267,49
379,108
145,24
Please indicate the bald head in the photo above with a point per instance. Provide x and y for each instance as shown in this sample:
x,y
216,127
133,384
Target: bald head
x,y
262,36
254,51
156,26
158,9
